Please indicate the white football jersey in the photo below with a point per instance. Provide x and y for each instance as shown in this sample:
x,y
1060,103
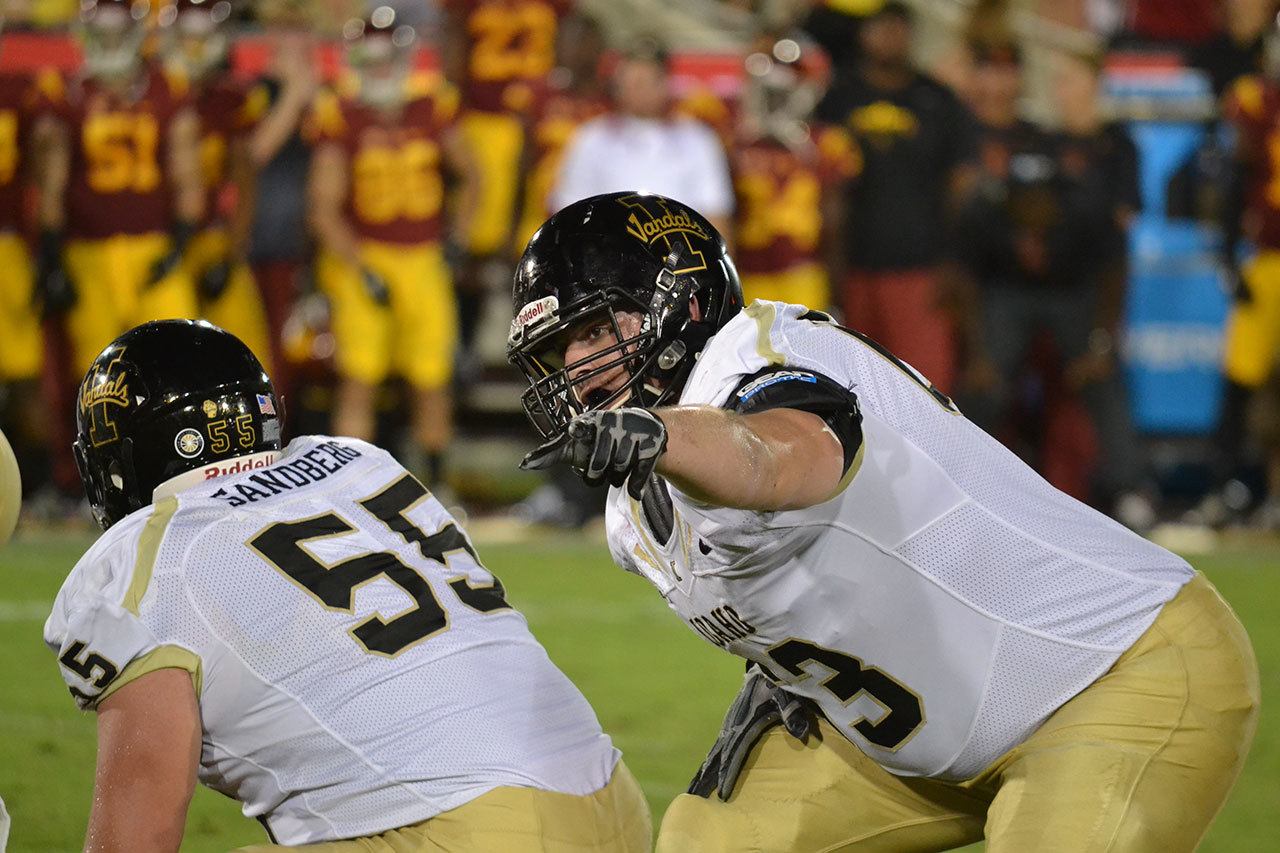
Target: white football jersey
x,y
357,668
941,605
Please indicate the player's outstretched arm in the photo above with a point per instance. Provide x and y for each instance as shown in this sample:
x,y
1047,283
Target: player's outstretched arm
x,y
776,460
148,752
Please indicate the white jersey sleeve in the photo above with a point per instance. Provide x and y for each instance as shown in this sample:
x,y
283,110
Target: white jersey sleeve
x,y
94,628
357,667
942,604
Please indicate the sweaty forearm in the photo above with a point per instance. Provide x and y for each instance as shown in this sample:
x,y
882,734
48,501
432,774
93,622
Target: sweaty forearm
x,y
777,460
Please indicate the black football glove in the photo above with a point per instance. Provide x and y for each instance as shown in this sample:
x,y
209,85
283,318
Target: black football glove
x,y
376,286
166,264
619,446
759,706
215,280
54,292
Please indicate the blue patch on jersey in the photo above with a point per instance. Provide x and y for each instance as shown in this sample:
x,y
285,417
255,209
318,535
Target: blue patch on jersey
x,y
751,389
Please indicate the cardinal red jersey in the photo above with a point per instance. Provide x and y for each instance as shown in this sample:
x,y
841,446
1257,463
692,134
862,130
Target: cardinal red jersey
x,y
511,46
119,149
1253,107
557,115
15,94
396,187
228,109
779,192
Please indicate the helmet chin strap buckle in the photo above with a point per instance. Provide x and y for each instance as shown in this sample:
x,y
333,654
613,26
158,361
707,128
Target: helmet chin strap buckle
x,y
672,355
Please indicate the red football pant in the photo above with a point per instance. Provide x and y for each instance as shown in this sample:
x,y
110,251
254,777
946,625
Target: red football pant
x,y
900,310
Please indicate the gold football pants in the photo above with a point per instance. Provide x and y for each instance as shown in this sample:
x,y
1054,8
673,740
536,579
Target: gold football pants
x,y
614,819
1141,760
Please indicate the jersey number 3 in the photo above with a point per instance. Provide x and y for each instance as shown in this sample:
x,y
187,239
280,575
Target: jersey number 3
x,y
334,586
850,678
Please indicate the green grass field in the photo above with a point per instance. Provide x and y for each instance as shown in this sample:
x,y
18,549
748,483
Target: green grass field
x,y
658,688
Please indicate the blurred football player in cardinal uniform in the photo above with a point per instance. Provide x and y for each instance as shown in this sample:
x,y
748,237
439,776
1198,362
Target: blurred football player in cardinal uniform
x,y
573,93
789,178
382,146
229,109
21,341
498,53
119,180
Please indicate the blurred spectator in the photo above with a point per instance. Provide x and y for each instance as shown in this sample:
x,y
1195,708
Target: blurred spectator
x,y
376,198
1045,235
1175,23
1239,46
228,110
573,94
278,248
1252,106
1225,38
835,26
498,53
790,180
121,138
639,146
917,145
22,415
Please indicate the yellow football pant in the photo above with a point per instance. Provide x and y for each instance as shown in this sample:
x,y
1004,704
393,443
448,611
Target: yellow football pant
x,y
614,819
415,335
1140,761
495,141
112,296
21,342
1253,328
803,285
239,309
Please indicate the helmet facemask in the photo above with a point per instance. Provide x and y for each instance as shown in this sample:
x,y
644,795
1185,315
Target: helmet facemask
x,y
200,43
111,36
654,361
382,57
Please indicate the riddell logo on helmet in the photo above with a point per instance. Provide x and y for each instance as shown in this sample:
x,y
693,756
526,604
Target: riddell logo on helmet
x,y
668,223
238,466
533,313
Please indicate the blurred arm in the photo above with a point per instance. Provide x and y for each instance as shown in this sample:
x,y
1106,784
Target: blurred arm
x,y
463,165
52,166
453,47
184,167
281,122
831,241
148,750
245,178
327,186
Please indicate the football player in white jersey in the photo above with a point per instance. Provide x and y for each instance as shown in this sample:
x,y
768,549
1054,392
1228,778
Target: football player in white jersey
x,y
942,647
304,629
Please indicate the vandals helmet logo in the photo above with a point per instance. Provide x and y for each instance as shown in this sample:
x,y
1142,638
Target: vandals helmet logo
x,y
651,219
111,389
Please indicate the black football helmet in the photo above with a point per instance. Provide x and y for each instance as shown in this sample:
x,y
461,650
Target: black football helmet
x,y
164,398
607,254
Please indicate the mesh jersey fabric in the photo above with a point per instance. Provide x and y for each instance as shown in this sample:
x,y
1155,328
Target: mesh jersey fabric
x,y
946,565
